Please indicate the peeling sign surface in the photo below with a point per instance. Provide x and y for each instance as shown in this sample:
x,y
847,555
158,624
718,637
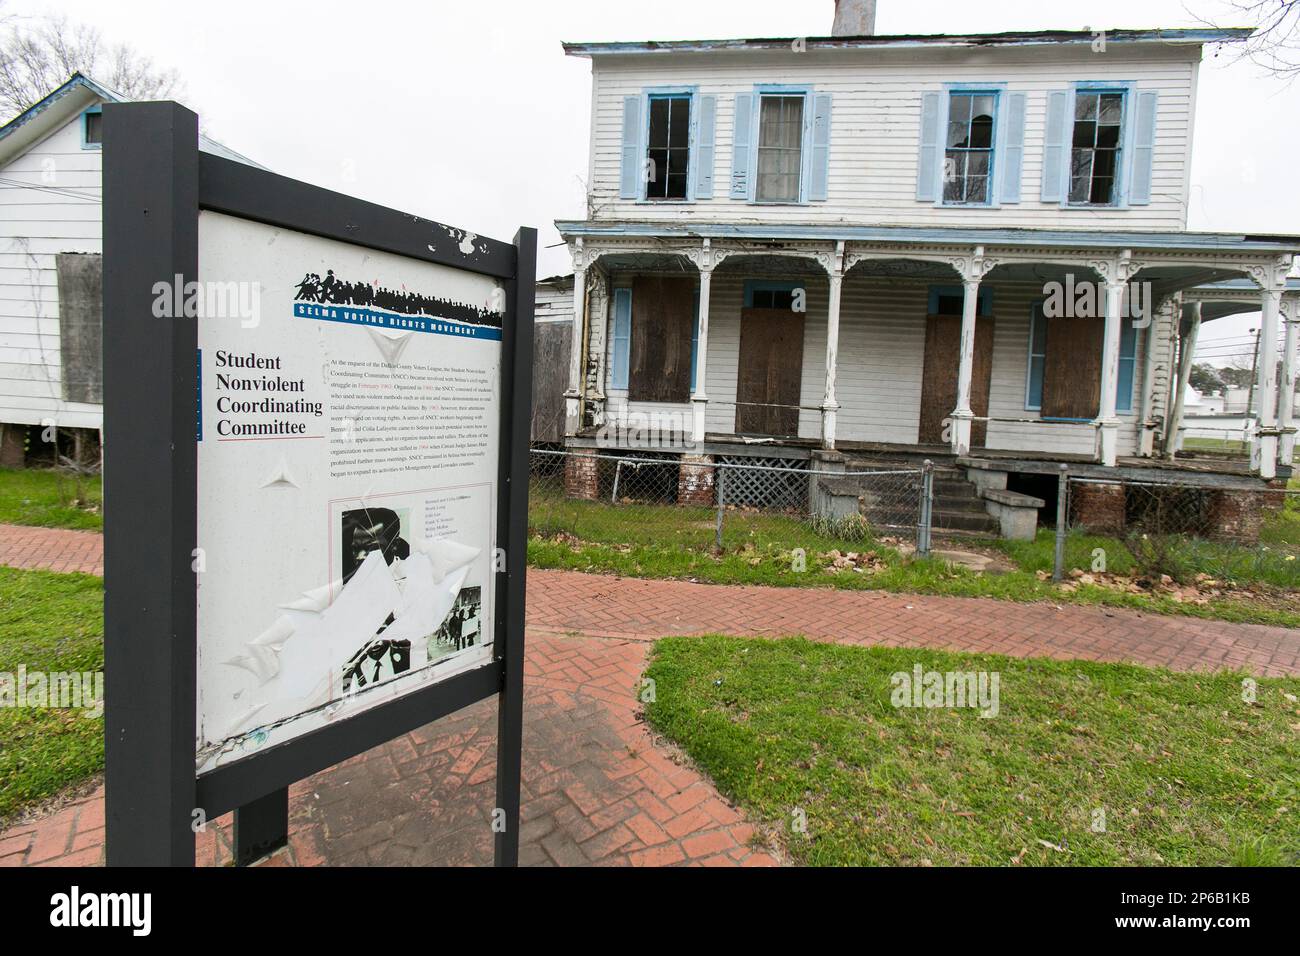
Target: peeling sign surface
x,y
347,482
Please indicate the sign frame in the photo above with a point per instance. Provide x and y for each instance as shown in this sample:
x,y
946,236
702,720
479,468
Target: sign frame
x,y
156,182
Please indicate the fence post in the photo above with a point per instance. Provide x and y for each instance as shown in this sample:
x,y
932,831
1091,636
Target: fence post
x,y
927,503
720,490
1062,516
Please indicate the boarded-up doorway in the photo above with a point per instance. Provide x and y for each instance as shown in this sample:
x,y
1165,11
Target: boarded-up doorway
x,y
770,376
551,342
939,381
663,321
1072,368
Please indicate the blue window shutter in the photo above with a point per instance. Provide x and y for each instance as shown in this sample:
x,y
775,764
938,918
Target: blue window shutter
x,y
629,181
1055,144
1013,148
1127,367
622,338
702,158
928,160
819,184
741,139
1037,358
1144,148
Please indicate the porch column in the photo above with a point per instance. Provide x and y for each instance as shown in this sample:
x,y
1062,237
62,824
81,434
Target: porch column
x,y
1286,400
573,394
829,405
699,399
1147,438
1107,423
1263,452
1186,353
962,414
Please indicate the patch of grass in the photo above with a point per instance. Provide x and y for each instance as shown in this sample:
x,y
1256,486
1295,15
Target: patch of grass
x,y
49,623
51,499
1186,772
764,548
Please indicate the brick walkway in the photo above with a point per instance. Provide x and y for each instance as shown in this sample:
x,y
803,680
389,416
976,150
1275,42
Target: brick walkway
x,y
51,549
596,788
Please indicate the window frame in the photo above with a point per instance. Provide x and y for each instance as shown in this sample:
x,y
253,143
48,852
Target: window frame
x,y
997,91
1128,340
648,94
1036,318
1123,166
98,110
769,285
984,304
762,90
619,367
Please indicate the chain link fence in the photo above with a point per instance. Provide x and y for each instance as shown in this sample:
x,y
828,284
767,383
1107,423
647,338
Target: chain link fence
x,y
1174,531
721,503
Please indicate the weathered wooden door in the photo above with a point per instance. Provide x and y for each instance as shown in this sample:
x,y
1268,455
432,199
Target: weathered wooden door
x,y
1072,368
771,372
939,379
663,320
551,341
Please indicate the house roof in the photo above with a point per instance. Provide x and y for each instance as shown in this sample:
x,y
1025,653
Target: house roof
x,y
1197,36
59,107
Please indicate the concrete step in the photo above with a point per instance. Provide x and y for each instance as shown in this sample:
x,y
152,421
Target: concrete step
x,y
954,488
941,520
972,505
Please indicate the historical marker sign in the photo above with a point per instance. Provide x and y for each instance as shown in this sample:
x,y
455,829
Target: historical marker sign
x,y
335,441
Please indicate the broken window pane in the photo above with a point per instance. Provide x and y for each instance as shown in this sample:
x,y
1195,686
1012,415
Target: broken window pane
x,y
1094,161
668,152
969,157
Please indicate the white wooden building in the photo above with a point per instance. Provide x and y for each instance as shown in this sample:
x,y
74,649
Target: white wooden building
x,y
855,245
50,242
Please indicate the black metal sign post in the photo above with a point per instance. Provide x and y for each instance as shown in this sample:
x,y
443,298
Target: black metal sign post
x,y
155,184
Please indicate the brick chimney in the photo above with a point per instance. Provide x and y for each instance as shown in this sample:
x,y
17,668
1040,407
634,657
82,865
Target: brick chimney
x,y
854,18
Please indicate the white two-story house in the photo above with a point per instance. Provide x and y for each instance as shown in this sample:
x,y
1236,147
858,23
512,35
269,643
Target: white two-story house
x,y
965,247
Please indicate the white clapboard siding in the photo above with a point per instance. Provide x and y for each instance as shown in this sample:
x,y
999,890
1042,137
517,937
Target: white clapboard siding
x,y
553,304
880,368
36,223
875,130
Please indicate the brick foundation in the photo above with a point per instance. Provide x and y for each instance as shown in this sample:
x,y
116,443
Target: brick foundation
x,y
13,453
695,481
1098,508
1237,515
582,476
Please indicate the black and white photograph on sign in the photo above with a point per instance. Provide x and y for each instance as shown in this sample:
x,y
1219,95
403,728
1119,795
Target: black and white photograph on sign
x,y
355,423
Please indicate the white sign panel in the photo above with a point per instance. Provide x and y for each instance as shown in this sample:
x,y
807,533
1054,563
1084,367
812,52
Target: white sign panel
x,y
348,444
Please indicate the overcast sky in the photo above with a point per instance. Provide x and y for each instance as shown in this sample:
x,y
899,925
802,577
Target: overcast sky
x,y
469,113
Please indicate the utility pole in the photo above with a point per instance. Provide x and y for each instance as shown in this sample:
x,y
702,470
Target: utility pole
x,y
1254,370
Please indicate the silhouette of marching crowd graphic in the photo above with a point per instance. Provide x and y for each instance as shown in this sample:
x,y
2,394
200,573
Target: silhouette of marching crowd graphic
x,y
334,291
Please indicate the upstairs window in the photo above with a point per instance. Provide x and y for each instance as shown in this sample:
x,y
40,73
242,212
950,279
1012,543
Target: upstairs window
x,y
668,150
1096,149
968,160
780,148
92,127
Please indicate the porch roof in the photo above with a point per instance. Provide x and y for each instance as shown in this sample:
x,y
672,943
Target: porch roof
x,y
1197,242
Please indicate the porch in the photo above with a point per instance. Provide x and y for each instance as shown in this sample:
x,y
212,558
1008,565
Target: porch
x,y
905,344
